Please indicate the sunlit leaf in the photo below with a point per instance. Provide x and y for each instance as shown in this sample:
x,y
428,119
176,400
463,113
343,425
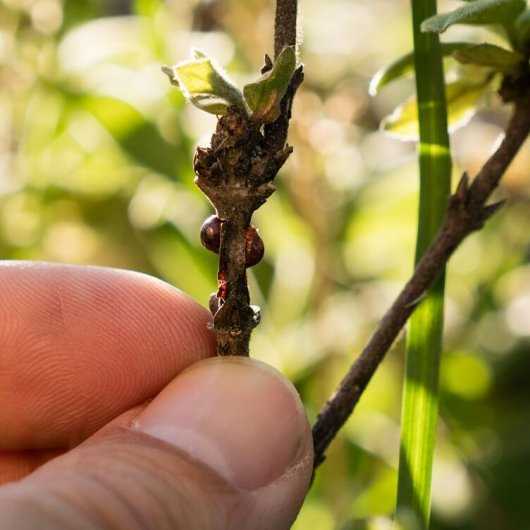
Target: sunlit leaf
x,y
522,27
477,12
495,57
205,84
264,96
405,65
463,98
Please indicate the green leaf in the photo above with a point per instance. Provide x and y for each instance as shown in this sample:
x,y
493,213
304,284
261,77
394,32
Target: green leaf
x,y
424,337
147,8
138,137
205,84
405,65
478,12
462,100
489,55
522,27
264,96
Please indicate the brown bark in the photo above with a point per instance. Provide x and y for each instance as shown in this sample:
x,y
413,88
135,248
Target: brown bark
x,y
467,211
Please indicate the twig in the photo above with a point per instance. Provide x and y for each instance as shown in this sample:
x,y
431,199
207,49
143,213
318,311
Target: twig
x,y
467,211
285,25
236,173
285,34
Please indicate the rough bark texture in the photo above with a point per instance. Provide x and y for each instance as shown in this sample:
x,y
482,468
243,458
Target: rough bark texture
x,y
467,212
236,173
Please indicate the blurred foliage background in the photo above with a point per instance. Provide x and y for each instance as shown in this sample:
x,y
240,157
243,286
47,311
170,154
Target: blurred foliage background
x,y
95,168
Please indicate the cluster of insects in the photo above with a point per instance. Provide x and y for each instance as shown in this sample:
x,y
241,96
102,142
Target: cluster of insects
x,y
211,239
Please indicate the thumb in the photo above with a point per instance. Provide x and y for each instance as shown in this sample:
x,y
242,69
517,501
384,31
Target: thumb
x,y
225,446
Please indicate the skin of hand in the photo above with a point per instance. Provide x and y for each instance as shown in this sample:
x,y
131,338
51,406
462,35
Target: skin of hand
x,y
115,414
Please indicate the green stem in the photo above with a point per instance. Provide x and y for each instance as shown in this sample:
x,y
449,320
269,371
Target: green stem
x,y
424,341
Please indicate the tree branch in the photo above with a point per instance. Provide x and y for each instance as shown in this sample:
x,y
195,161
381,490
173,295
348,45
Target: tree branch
x,y
467,211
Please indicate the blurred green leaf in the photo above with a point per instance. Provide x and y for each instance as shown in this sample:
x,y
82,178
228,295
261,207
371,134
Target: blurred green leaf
x,y
76,12
180,262
264,96
315,515
405,65
137,136
495,57
477,12
462,100
205,84
147,8
522,27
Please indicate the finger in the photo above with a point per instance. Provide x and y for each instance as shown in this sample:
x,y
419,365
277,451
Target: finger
x,y
226,446
80,345
15,465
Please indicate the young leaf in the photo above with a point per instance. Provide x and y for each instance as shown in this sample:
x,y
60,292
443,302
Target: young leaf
x,y
264,96
204,84
405,65
522,27
489,55
462,100
477,12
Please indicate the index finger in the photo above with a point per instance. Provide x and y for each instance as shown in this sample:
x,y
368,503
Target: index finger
x,y
80,345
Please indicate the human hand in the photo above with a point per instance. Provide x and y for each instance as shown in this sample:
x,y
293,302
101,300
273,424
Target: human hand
x,y
112,417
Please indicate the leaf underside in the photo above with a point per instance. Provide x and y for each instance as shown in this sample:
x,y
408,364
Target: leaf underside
x,y
205,84
522,27
477,12
463,98
405,66
491,56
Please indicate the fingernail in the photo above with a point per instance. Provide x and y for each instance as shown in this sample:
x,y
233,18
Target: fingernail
x,y
236,415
